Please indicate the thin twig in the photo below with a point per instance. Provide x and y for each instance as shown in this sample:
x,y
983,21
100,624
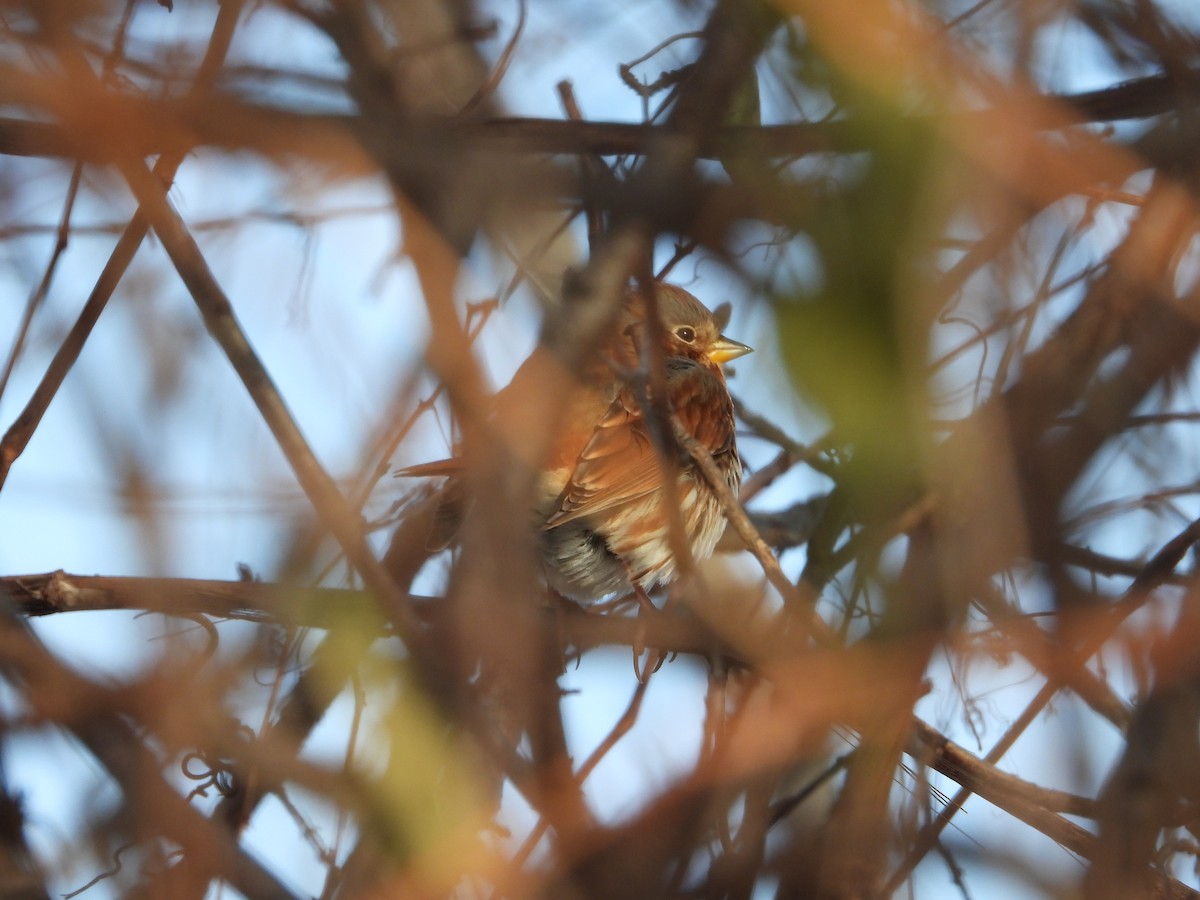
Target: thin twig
x,y
796,600
18,435
337,514
1153,574
618,731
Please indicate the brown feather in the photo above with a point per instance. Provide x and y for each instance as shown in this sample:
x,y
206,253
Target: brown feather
x,y
620,465
601,511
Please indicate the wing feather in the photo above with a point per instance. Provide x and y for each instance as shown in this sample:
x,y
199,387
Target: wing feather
x,y
619,465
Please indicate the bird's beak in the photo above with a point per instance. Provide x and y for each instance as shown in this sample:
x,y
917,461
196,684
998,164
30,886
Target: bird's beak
x,y
723,350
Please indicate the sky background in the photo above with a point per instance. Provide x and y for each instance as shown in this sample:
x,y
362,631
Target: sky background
x,y
337,320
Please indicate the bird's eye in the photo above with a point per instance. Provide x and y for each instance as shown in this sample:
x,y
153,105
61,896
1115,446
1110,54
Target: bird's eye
x,y
685,334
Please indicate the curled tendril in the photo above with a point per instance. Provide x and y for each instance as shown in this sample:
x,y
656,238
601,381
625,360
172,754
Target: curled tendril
x,y
111,872
214,774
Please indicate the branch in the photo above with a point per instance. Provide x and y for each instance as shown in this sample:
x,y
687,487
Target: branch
x,y
1036,806
60,592
21,431
220,120
112,740
801,603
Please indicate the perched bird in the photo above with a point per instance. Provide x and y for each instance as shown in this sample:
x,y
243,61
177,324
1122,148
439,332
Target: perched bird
x,y
601,504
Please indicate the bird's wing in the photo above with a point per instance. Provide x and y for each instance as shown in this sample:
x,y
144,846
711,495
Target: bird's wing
x,y
619,463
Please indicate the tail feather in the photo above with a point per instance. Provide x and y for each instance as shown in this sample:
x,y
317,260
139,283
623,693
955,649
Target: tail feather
x,y
427,526
442,468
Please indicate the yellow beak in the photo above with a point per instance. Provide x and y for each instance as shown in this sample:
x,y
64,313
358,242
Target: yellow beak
x,y
723,350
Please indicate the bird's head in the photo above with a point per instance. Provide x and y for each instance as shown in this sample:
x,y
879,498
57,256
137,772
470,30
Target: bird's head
x,y
691,329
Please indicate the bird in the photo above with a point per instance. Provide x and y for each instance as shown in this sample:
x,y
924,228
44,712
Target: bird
x,y
601,503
